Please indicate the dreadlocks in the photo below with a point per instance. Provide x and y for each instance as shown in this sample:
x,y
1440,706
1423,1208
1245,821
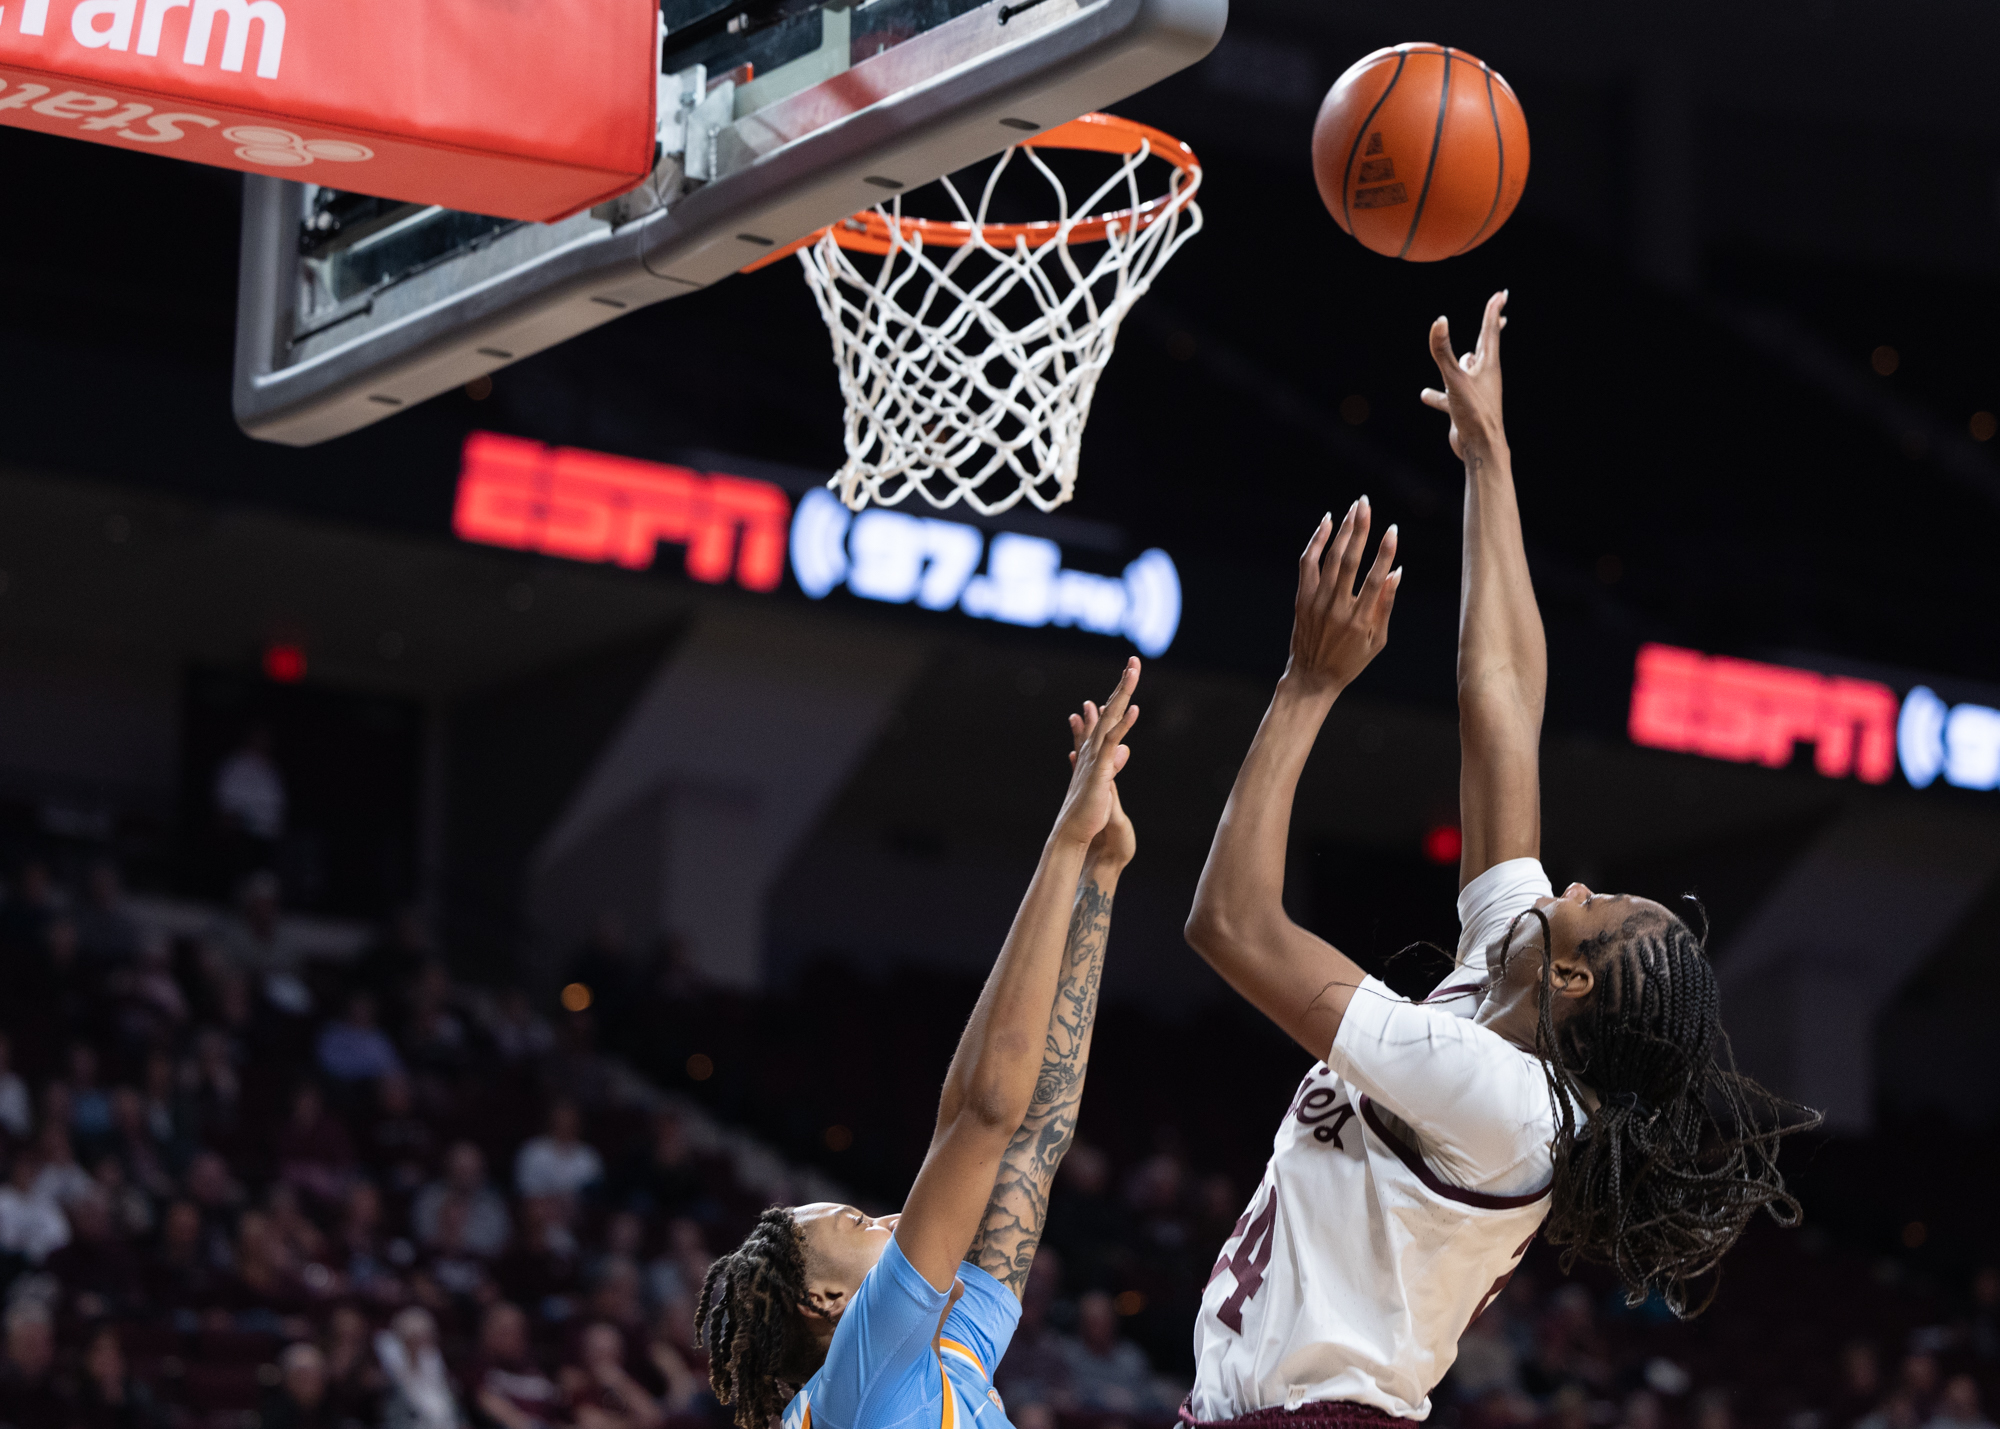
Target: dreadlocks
x,y
1682,1150
748,1320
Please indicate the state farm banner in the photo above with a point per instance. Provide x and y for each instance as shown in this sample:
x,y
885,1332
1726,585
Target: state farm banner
x,y
517,110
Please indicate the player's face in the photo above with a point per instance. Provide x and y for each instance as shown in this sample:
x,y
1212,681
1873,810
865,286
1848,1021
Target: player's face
x,y
842,1243
1578,919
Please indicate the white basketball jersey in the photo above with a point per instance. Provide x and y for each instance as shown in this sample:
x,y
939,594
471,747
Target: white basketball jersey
x,y
1410,1173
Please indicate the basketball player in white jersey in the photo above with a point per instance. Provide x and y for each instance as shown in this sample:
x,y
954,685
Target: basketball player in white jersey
x,y
1562,1079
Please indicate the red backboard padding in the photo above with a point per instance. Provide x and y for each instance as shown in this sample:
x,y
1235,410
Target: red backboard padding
x,y
517,108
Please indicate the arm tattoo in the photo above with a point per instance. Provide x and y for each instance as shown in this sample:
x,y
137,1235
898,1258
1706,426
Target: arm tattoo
x,y
1007,1239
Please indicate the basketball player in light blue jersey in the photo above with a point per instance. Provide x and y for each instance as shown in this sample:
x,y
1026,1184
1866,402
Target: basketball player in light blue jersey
x,y
834,1319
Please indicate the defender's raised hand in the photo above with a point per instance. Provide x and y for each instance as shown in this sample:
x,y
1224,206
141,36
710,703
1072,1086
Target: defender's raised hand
x,y
1471,396
1092,797
1335,631
1117,842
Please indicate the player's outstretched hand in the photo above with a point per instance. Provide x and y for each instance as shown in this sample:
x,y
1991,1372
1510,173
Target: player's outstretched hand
x,y
1117,841
1471,396
1092,799
1335,631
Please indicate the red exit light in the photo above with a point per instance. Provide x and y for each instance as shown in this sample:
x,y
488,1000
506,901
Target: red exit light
x,y
1443,844
588,506
285,664
1753,713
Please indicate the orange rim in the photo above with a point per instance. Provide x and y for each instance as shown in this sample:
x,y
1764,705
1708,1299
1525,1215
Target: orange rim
x,y
869,231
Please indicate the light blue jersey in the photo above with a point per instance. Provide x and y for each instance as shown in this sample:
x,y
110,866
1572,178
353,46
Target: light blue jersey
x,y
891,1365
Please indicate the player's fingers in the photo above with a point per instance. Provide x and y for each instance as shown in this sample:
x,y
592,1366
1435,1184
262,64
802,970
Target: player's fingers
x,y
1378,571
1350,558
1431,397
1386,601
1441,352
1118,757
1343,540
1490,325
1309,558
1121,696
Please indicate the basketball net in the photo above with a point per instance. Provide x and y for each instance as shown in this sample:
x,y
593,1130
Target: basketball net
x,y
950,396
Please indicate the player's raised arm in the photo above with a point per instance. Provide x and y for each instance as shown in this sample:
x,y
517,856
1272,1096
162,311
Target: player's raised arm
x,y
1503,658
1239,923
1018,1208
991,1084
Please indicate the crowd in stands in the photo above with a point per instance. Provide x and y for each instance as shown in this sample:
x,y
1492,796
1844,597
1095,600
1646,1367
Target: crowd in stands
x,y
248,1189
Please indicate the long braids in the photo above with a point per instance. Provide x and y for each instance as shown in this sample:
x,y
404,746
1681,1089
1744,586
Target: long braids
x,y
748,1320
1664,1176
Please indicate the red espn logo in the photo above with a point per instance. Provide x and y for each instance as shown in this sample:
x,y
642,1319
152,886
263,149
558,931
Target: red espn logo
x,y
1748,712
587,506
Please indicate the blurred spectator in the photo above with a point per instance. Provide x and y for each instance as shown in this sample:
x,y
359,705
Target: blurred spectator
x,y
434,1035
257,942
353,1049
387,965
150,1007
486,1224
419,1394
363,1255
137,1151
558,1163
664,1173
1107,1371
215,1192
130,1208
687,1389
32,1225
60,1177
17,1112
250,790
179,1273
540,1268
679,1272
303,1240
450,1279
105,928
31,1395
400,1141
1036,1368
1860,1387
1919,1381
1958,1406
299,1399
1085,1221
97,1268
109,1396
314,1152
268,1286
1712,1410
1898,1411
354,1375
601,1394
518,1032
212,1083
89,1103
509,1388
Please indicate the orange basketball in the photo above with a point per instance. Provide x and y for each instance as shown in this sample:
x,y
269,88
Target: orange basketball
x,y
1421,151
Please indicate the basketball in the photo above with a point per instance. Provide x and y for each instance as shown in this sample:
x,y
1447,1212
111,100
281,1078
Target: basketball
x,y
1420,151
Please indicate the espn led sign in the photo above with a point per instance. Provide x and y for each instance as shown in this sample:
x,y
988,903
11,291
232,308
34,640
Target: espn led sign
x,y
589,506
1749,712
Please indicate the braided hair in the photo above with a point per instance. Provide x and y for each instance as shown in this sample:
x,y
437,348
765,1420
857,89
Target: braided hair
x,y
1661,1180
748,1320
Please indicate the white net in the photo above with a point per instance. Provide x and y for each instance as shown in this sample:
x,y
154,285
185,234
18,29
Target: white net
x,y
968,370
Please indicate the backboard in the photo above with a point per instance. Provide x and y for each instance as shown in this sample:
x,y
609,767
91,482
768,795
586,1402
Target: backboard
x,y
776,118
